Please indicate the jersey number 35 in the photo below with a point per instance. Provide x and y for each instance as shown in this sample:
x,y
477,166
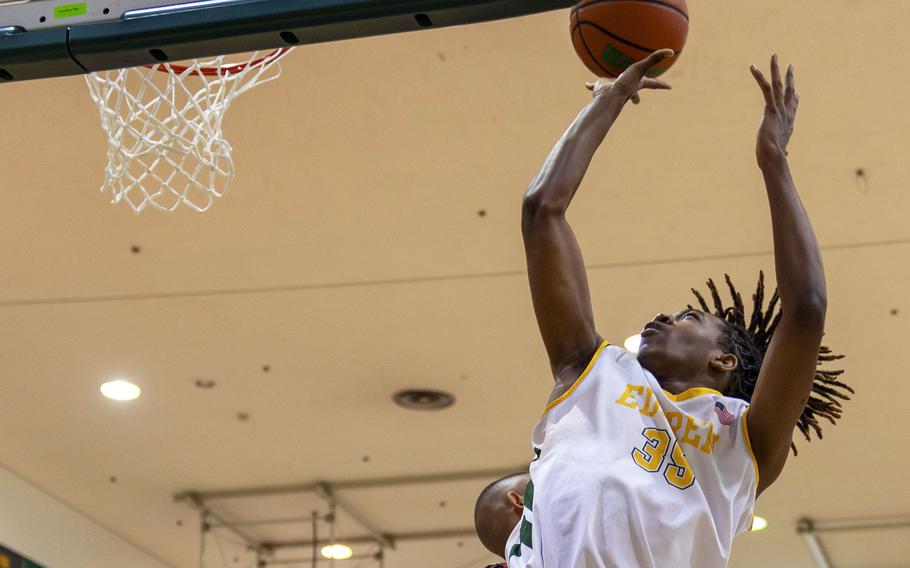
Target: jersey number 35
x,y
652,455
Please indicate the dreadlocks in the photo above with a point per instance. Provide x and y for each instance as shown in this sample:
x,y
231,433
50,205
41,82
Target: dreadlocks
x,y
749,342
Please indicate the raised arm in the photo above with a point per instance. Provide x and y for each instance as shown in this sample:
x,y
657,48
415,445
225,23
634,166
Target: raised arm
x,y
559,286
786,375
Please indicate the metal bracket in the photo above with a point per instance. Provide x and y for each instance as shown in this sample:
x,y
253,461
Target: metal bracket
x,y
806,529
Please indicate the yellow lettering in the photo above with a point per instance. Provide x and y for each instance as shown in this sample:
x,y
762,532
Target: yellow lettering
x,y
628,398
647,408
710,440
689,436
675,419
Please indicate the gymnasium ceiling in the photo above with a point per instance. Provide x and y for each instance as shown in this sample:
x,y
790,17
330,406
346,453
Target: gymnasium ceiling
x,y
370,243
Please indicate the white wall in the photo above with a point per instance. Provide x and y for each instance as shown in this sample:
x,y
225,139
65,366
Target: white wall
x,y
45,530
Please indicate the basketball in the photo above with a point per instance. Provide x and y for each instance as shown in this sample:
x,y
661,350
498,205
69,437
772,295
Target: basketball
x,y
610,35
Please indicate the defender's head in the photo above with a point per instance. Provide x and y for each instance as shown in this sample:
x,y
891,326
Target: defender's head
x,y
498,510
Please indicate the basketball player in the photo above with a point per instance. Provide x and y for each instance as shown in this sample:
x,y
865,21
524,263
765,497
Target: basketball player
x,y
655,460
499,509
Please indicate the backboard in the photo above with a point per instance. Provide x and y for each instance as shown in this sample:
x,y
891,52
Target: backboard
x,y
51,38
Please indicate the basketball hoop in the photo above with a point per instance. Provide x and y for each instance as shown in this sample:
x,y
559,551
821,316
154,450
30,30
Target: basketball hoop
x,y
163,128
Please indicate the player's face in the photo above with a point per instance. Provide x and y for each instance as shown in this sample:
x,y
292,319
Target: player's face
x,y
680,345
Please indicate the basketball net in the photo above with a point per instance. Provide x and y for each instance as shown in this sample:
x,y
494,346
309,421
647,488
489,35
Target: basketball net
x,y
166,147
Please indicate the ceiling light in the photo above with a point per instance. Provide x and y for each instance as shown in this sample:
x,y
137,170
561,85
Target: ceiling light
x,y
337,552
421,399
632,343
759,523
120,390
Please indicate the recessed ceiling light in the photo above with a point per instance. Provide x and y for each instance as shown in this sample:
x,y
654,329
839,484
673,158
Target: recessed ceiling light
x,y
759,523
337,552
632,343
422,399
120,390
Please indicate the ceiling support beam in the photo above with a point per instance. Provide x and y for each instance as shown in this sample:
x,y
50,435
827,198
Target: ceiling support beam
x,y
367,539
806,529
261,522
308,561
325,491
328,491
208,516
809,530
864,524
380,483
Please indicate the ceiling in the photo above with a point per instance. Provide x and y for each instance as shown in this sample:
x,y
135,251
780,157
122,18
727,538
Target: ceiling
x,y
370,243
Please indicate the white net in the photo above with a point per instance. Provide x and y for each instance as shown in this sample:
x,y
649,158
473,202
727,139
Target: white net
x,y
163,125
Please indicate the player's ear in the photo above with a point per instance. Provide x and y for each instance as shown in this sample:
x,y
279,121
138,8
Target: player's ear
x,y
725,362
516,501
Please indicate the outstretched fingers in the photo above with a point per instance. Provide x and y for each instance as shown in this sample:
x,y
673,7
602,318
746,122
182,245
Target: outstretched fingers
x,y
791,97
650,61
790,88
763,85
776,83
649,83
633,78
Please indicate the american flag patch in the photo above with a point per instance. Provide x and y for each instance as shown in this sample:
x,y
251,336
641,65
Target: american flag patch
x,y
723,414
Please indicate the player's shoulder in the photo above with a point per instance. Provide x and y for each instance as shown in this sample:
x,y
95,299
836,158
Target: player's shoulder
x,y
730,401
607,358
704,403
620,355
610,354
614,351
729,410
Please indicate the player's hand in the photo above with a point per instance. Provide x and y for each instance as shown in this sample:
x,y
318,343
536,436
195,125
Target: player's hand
x,y
630,81
777,121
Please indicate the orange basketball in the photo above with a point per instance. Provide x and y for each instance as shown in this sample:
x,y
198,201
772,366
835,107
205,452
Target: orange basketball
x,y
610,35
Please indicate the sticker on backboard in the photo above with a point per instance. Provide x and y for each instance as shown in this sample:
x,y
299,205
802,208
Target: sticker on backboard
x,y
70,10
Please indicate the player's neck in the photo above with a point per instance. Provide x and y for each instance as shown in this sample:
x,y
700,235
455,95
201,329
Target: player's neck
x,y
676,385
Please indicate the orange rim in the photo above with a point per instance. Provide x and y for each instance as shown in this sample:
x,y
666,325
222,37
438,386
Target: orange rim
x,y
223,70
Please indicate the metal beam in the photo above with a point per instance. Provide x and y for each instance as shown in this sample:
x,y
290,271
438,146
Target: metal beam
x,y
308,561
849,525
366,539
434,535
806,529
348,540
260,522
249,492
329,492
195,502
325,491
376,483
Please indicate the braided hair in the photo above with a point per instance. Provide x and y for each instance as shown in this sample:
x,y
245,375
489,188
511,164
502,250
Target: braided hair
x,y
750,341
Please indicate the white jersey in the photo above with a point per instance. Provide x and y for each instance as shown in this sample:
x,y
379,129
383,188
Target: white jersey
x,y
629,475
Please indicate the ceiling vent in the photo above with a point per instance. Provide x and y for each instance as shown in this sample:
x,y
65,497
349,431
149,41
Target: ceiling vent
x,y
419,399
